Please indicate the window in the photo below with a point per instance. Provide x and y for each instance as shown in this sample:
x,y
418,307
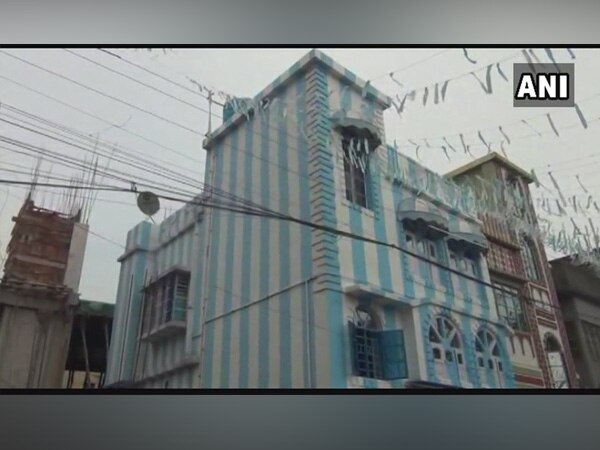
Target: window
x,y
444,340
165,300
421,244
518,197
556,363
357,145
591,333
529,253
464,261
377,353
488,356
509,306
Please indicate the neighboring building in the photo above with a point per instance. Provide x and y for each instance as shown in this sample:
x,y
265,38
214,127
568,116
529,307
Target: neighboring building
x,y
38,296
578,288
151,338
213,298
517,262
88,348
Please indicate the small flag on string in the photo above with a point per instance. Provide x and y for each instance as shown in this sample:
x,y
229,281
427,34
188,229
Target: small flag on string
x,y
589,202
472,61
462,141
446,153
528,59
444,87
484,142
417,152
487,87
505,135
564,202
394,80
449,145
581,184
535,178
574,203
571,53
581,117
552,125
529,125
551,58
532,53
501,72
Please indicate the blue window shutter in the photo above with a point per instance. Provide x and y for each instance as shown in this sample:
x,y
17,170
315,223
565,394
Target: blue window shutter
x,y
393,354
353,356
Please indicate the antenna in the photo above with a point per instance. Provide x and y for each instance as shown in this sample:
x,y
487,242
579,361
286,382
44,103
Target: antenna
x,y
148,203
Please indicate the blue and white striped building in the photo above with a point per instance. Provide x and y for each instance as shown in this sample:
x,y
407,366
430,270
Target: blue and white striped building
x,y
211,298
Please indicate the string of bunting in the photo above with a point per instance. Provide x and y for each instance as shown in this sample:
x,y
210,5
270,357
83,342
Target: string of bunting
x,y
486,84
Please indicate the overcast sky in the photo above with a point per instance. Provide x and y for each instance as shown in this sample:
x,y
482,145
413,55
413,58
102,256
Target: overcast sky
x,y
244,72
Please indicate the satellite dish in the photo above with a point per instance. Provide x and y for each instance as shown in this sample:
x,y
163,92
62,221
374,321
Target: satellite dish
x,y
148,203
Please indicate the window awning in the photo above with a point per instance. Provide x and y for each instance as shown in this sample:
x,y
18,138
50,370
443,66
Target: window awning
x,y
467,235
416,210
342,119
430,218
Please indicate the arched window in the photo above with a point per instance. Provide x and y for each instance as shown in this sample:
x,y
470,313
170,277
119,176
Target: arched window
x,y
530,258
445,341
366,344
487,350
556,363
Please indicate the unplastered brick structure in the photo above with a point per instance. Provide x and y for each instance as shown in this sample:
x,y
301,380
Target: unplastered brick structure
x,y
38,294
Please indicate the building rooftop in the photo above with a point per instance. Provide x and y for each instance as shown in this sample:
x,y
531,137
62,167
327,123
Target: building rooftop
x,y
312,57
493,156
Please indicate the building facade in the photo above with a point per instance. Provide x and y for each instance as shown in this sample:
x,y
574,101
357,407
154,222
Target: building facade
x,y
38,296
350,278
524,291
578,289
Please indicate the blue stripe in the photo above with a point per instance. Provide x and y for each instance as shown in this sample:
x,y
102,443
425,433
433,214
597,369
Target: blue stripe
x,y
247,270
197,268
305,234
211,298
263,326
389,316
226,350
285,341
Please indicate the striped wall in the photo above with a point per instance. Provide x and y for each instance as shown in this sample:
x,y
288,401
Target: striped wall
x,y
151,251
259,269
127,308
270,298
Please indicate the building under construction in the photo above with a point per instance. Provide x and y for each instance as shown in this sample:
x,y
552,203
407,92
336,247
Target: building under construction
x,y
39,296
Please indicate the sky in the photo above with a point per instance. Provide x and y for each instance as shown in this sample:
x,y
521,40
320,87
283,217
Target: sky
x,y
176,144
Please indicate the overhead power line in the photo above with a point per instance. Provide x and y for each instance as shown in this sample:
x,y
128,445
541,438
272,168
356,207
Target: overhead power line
x,y
104,94
94,116
333,230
